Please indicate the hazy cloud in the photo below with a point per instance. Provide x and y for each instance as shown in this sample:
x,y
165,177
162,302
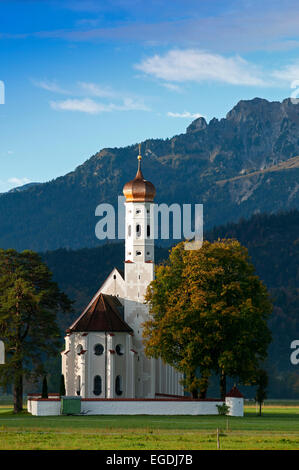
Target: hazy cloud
x,y
90,106
97,90
182,65
50,86
288,73
185,114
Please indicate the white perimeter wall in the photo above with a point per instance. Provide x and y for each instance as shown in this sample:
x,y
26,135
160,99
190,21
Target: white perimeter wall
x,y
128,407
148,407
50,407
44,407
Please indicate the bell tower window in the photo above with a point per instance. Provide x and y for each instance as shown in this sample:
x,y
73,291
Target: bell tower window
x,y
118,385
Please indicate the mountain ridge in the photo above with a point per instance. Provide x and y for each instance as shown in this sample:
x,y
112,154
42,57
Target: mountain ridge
x,y
254,136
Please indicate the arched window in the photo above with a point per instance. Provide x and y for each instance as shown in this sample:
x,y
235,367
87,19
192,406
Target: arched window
x,y
129,230
98,349
138,230
79,349
97,385
118,385
119,349
78,384
148,230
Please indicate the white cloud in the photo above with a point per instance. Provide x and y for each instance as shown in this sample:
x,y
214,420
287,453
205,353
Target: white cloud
x,y
90,106
18,181
13,182
288,73
182,65
172,87
85,105
50,86
185,114
97,90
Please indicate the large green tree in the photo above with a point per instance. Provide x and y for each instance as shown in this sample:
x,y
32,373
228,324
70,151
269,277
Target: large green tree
x,y
29,302
209,313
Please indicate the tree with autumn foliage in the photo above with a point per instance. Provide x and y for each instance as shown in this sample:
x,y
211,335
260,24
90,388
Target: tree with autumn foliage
x,y
29,302
208,314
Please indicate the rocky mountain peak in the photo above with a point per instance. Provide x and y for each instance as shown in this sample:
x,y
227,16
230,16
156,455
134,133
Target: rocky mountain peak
x,y
197,125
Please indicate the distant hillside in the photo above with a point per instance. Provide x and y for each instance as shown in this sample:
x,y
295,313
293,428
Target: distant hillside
x,y
22,188
236,166
273,244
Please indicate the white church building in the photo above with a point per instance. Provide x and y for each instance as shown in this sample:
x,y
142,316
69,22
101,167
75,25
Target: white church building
x,y
104,352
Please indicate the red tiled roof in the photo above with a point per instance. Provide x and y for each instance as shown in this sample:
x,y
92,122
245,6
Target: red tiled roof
x,y
102,315
235,393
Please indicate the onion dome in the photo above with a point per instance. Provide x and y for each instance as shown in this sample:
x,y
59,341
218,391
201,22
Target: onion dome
x,y
139,189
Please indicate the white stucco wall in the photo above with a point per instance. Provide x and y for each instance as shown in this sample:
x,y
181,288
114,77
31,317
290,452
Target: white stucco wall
x,y
43,407
2,353
129,407
236,406
150,407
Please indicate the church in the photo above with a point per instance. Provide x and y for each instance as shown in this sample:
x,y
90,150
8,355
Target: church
x,y
104,353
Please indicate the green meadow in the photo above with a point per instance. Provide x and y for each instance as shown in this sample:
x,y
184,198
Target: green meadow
x,y
277,428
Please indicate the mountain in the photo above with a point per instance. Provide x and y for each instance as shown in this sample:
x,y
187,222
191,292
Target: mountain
x,y
273,244
22,188
245,163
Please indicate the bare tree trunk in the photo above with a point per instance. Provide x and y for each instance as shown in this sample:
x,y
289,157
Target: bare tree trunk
x,y
222,385
18,391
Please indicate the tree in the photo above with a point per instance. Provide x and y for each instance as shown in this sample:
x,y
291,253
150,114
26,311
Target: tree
x,y
29,301
261,392
209,314
45,388
62,386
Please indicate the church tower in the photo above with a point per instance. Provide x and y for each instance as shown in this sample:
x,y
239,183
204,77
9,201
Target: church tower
x,y
139,271
104,352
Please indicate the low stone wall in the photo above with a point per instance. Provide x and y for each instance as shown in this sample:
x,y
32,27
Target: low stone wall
x,y
149,407
43,406
93,406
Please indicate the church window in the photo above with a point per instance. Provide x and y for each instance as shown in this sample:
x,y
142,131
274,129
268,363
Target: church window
x,y
118,385
79,349
98,349
138,230
129,230
148,230
119,349
97,385
114,276
138,253
78,384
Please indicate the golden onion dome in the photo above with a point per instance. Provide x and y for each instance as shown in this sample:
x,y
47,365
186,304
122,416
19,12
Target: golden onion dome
x,y
139,189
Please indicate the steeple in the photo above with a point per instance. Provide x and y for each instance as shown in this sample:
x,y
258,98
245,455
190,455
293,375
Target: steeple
x,y
139,189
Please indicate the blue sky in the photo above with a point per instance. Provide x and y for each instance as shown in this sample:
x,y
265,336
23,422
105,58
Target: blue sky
x,y
83,75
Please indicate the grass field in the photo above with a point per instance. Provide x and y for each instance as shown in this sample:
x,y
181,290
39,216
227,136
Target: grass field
x,y
278,428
